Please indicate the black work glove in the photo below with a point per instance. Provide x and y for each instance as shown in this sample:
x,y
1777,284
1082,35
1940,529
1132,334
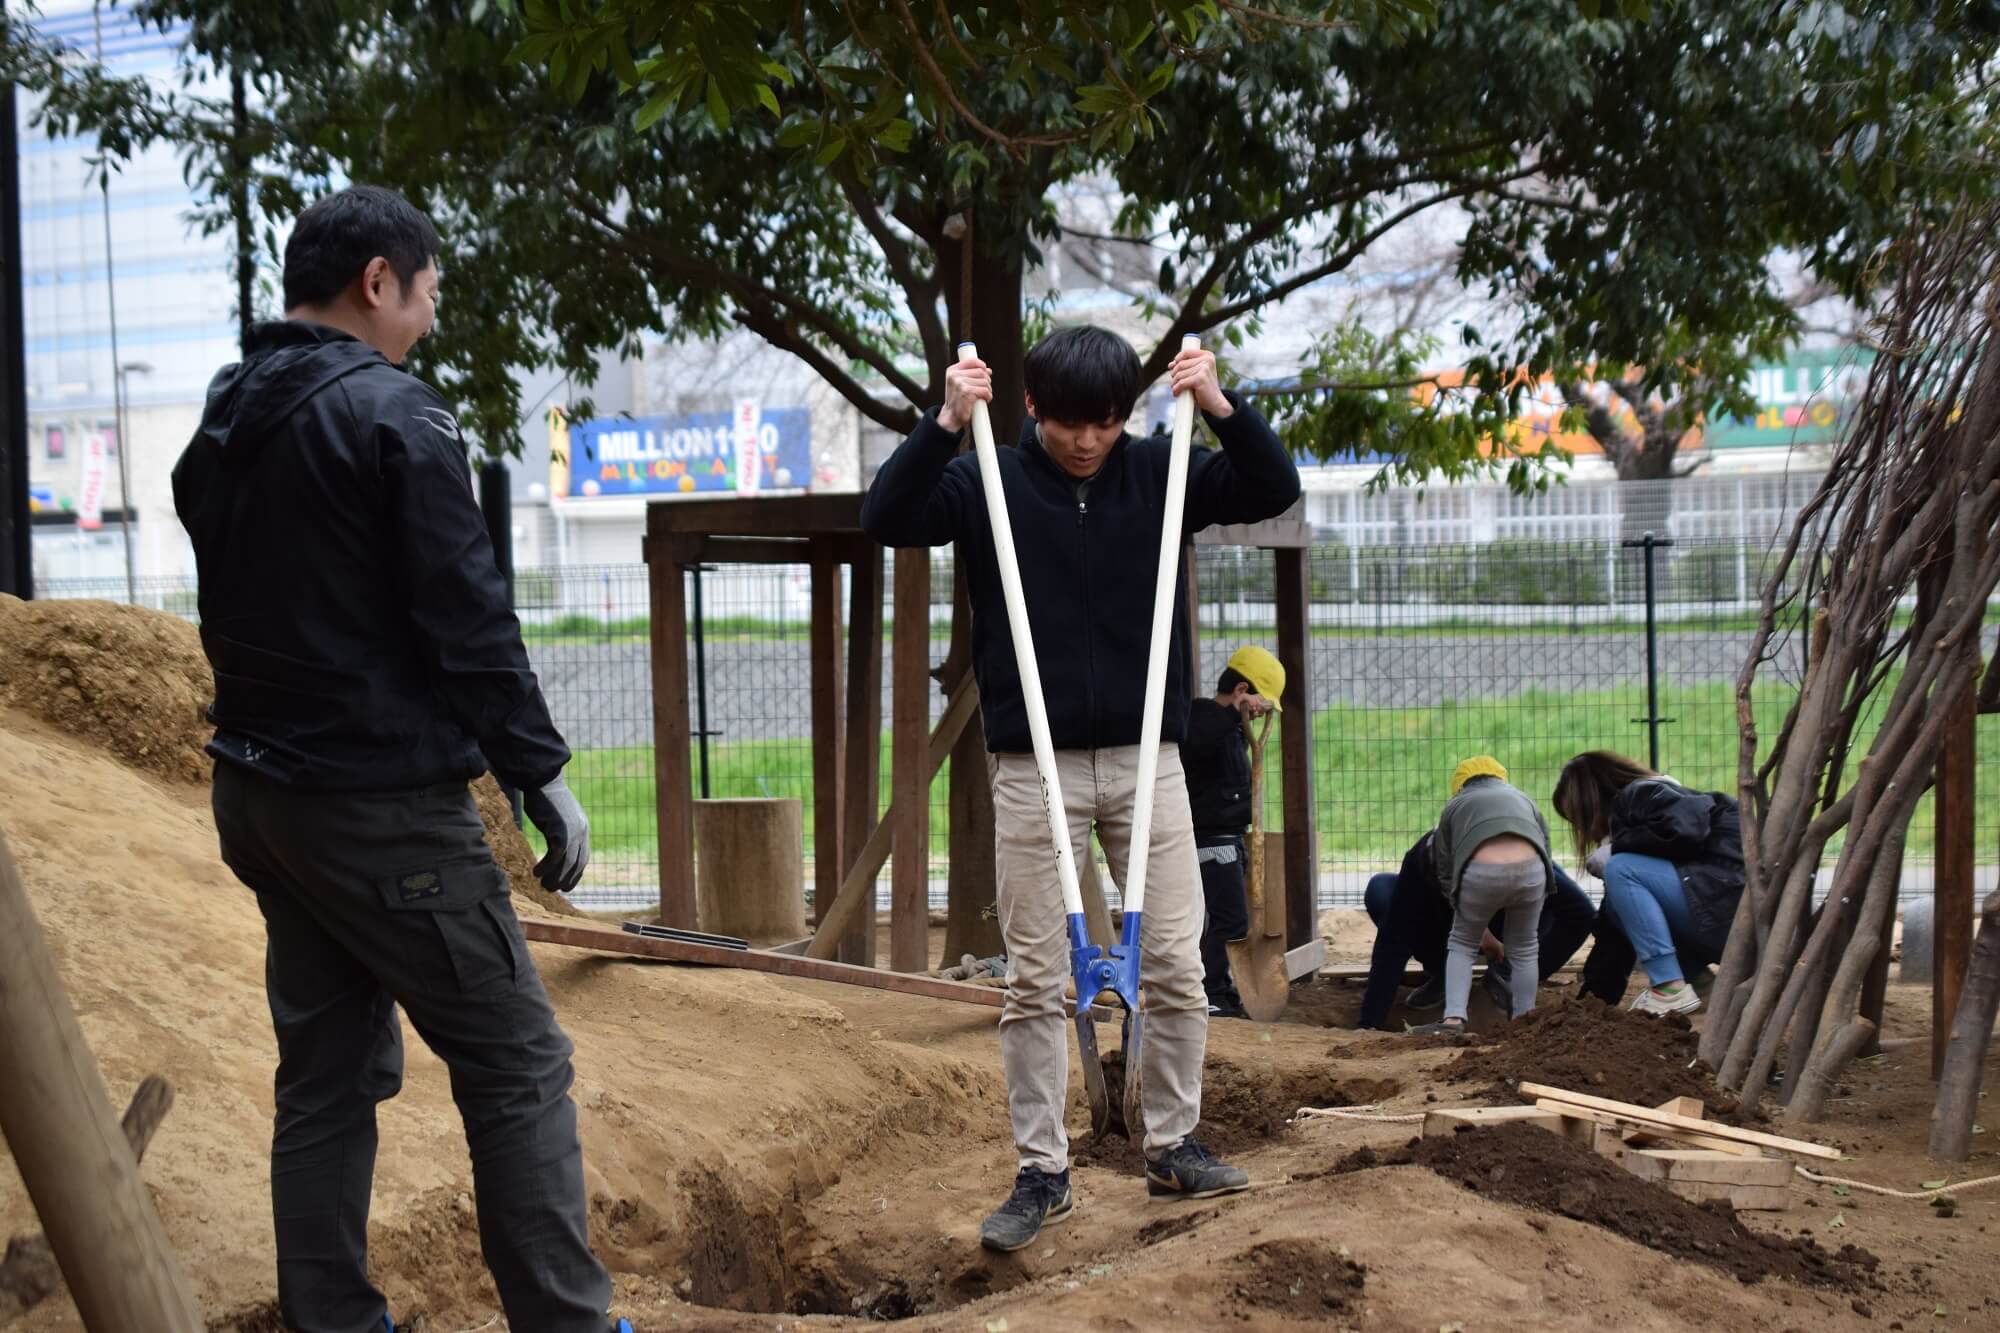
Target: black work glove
x,y
559,816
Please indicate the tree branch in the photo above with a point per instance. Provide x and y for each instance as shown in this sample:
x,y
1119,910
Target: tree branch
x,y
775,331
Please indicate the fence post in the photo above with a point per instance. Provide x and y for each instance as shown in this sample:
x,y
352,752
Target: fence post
x,y
702,732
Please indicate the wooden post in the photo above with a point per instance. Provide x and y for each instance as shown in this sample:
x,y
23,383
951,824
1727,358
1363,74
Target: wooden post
x,y
1197,687
1951,919
862,786
1295,736
752,868
909,771
673,777
829,772
67,1144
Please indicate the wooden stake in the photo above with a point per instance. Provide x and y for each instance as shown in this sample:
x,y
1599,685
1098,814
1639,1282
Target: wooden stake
x,y
861,779
673,777
829,773
67,1143
1296,746
910,774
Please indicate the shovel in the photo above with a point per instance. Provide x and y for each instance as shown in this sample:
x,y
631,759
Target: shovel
x,y
1094,969
1258,962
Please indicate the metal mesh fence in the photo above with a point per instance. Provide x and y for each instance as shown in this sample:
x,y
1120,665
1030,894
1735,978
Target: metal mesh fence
x,y
1420,654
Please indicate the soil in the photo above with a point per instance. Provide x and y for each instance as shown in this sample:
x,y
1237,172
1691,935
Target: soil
x,y
759,1149
1583,1045
1529,1166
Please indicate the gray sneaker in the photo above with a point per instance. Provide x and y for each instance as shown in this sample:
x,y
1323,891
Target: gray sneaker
x,y
1430,995
1039,1199
1190,1171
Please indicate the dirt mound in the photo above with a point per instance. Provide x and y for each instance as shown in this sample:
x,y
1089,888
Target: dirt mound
x,y
511,850
1241,1109
1524,1165
1300,1278
1584,1045
124,678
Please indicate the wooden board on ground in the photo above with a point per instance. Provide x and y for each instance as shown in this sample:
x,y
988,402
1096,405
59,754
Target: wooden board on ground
x,y
1306,960
1582,1122
1700,1175
758,960
1625,1115
1441,1124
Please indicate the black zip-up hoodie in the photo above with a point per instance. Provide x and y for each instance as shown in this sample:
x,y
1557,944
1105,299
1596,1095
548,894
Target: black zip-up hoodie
x,y
1089,553
350,604
1215,754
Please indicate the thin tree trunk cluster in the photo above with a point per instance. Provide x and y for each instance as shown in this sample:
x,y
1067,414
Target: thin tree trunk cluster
x,y
1906,515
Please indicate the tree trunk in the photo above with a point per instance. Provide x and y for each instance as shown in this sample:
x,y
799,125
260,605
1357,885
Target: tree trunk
x,y
1971,1032
239,206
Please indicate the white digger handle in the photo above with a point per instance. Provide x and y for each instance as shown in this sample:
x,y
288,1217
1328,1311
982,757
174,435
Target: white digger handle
x,y
1172,508
1024,647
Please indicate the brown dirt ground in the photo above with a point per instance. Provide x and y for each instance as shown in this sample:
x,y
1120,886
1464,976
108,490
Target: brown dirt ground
x,y
765,1153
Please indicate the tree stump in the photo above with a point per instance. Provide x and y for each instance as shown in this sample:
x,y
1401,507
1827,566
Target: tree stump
x,y
750,872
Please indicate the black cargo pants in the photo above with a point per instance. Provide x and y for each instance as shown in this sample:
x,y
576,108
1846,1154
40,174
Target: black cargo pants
x,y
375,900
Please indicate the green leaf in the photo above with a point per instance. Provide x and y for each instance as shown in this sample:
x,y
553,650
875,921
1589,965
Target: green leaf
x,y
895,136
718,106
1841,1191
1933,1184
648,115
1839,1220
768,99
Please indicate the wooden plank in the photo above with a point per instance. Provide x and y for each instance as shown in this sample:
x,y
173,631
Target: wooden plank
x,y
828,770
1441,1124
752,550
757,515
1288,530
1952,895
1306,960
909,773
673,774
861,876
861,781
74,1158
757,960
1646,1116
1688,1106
1587,1124
1295,735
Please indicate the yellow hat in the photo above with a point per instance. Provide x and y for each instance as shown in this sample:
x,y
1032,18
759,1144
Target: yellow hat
x,y
1479,766
1264,672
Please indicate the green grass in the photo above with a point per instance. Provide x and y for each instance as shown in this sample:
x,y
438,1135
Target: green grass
x,y
1379,773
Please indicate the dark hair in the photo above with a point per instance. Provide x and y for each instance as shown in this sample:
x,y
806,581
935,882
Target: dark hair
x,y
1231,678
333,240
1082,375
1586,788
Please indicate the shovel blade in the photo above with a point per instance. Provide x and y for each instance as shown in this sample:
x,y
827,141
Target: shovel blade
x,y
1094,1085
1135,1036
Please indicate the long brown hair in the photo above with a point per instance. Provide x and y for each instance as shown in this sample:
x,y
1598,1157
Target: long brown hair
x,y
1586,789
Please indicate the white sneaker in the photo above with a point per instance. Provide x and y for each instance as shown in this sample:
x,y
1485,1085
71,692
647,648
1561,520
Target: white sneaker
x,y
1653,1001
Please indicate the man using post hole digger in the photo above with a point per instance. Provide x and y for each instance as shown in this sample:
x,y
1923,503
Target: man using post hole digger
x,y
1075,567
367,667
1215,754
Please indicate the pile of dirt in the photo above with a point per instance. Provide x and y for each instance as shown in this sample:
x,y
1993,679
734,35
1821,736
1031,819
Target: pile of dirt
x,y
1532,1168
1302,1279
129,680
1583,1045
1241,1109
511,850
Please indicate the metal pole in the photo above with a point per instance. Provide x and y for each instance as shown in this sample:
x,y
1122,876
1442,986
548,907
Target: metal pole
x,y
700,681
117,366
17,549
1649,543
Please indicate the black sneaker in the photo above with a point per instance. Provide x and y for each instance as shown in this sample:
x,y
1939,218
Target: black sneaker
x,y
1227,1005
1190,1171
1039,1199
1428,995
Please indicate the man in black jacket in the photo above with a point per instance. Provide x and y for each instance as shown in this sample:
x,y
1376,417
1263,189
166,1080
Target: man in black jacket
x,y
367,667
1084,502
1216,756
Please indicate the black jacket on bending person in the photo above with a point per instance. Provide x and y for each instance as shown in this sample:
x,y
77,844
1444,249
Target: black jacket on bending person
x,y
350,605
1215,755
1700,833
1089,552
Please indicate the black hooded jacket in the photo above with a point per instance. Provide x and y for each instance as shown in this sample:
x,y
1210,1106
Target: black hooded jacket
x,y
1701,833
350,604
1089,553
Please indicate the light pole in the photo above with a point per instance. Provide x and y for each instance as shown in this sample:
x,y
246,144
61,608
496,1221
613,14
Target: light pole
x,y
124,399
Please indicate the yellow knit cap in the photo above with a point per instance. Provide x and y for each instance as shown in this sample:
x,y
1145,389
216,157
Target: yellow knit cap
x,y
1479,766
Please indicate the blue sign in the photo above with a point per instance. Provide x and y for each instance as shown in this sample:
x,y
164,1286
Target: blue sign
x,y
747,451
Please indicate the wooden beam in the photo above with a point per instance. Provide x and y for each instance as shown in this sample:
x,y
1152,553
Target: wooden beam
x,y
757,515
72,1154
909,772
860,880
1452,1120
1296,743
1952,896
1288,531
1644,1116
673,776
861,787
1595,1122
829,772
754,960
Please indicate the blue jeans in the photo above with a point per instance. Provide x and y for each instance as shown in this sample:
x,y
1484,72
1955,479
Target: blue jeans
x,y
1646,894
1381,888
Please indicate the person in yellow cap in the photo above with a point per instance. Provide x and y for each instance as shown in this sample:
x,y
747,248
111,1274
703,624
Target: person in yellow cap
x,y
1215,753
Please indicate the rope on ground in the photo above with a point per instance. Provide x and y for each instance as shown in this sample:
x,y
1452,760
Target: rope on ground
x,y
1370,1113
1864,1186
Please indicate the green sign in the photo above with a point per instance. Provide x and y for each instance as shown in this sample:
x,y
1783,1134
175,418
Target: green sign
x,y
1805,400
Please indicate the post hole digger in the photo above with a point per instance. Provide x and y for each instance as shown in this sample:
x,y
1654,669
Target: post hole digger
x,y
1094,969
